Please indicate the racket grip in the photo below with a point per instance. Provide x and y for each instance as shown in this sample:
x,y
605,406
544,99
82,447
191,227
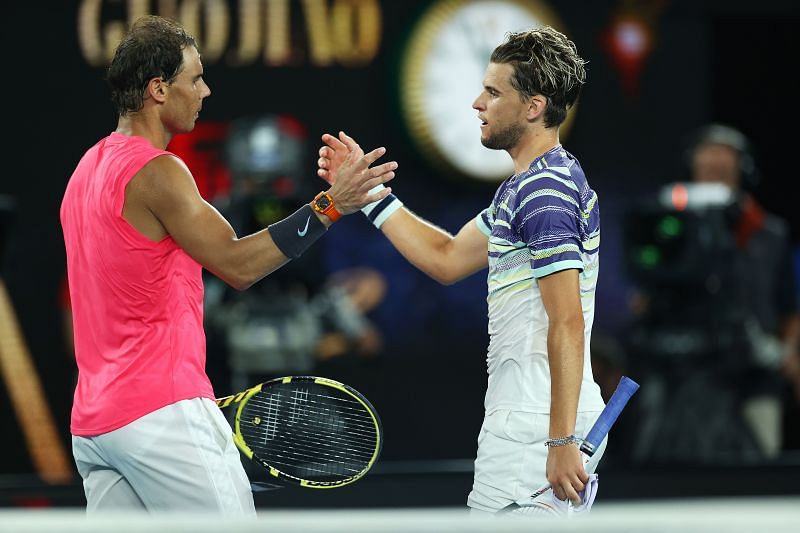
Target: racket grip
x,y
613,408
602,425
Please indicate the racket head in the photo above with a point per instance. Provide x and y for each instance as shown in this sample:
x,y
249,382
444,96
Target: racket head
x,y
308,430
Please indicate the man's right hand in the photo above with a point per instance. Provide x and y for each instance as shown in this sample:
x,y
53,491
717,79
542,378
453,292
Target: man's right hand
x,y
353,177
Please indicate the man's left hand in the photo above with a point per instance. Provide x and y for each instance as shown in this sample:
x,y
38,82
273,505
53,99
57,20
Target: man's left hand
x,y
566,473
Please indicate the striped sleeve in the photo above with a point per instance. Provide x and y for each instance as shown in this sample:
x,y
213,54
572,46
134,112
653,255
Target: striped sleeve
x,y
548,218
484,221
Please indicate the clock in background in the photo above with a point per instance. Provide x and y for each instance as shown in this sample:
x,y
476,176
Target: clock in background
x,y
441,74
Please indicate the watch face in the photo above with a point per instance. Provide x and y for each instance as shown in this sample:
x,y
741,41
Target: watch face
x,y
443,72
323,202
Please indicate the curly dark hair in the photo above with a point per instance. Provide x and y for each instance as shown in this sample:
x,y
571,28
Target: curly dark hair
x,y
152,48
545,62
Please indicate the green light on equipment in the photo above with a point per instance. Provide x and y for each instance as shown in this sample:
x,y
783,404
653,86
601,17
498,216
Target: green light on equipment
x,y
649,256
670,227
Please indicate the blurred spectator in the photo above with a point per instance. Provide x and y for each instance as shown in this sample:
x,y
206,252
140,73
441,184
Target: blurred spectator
x,y
716,313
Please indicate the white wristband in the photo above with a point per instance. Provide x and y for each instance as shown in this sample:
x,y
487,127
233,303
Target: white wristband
x,y
378,212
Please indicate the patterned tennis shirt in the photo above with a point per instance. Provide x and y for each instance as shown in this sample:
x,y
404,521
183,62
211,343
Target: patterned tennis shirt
x,y
541,221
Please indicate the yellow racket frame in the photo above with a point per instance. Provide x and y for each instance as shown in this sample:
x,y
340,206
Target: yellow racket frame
x,y
243,397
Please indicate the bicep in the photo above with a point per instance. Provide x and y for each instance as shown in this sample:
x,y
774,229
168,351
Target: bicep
x,y
469,249
561,295
195,225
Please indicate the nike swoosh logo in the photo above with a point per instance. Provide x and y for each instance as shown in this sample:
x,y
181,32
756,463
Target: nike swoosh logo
x,y
305,230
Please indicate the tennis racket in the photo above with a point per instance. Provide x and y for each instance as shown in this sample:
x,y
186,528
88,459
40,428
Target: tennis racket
x,y
625,389
310,431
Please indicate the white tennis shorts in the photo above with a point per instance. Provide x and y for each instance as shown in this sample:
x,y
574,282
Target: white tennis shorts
x,y
178,458
512,457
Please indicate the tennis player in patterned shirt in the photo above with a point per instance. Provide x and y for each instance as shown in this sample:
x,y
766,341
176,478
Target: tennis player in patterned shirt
x,y
540,239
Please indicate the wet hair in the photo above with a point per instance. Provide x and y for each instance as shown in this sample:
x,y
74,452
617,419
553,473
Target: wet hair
x,y
152,48
545,63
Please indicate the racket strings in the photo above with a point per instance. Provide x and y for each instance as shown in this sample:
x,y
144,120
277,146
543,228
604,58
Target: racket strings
x,y
322,461
311,442
309,435
313,468
321,421
360,422
317,460
359,418
316,445
274,399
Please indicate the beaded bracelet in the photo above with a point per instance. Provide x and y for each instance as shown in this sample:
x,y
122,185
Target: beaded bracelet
x,y
562,441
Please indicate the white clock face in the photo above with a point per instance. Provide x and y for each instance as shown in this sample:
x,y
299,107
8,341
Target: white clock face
x,y
444,72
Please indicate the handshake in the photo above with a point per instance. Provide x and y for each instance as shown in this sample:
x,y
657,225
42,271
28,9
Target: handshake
x,y
355,184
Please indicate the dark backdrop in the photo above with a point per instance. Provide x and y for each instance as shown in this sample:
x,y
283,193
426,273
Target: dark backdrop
x,y
713,60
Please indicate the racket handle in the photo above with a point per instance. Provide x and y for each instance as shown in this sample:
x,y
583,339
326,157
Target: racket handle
x,y
613,408
602,425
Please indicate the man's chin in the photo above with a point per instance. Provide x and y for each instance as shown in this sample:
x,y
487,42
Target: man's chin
x,y
489,143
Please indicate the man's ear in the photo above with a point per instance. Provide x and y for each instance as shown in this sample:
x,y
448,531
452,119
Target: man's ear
x,y
536,106
157,90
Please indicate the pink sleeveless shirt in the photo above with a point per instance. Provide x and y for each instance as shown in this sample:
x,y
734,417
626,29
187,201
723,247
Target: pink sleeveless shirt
x,y
137,304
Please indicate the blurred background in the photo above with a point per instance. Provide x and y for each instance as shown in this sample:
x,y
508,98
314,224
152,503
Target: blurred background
x,y
697,296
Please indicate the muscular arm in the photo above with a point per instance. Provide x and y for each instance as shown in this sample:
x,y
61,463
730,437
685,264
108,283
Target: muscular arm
x,y
442,256
163,200
565,347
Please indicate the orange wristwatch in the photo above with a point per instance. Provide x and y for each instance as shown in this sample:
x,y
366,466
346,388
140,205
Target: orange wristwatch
x,y
323,203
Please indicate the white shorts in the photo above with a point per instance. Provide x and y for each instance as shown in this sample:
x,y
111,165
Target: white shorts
x,y
512,457
180,457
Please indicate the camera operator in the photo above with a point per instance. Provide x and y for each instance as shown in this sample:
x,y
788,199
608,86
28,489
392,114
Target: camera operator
x,y
721,154
715,319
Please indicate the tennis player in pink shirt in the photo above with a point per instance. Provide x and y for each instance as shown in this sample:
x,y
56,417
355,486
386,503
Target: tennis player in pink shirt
x,y
146,432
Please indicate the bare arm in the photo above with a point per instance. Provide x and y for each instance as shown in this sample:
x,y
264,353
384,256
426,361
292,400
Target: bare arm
x,y
565,348
442,256
166,190
163,200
